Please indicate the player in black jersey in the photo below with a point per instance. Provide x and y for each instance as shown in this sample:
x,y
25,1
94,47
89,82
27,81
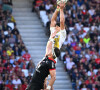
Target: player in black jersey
x,y
45,67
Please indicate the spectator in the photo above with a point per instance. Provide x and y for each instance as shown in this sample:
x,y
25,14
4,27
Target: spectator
x,y
42,7
12,60
10,86
69,64
80,2
11,48
68,6
48,6
8,81
12,40
1,83
86,39
17,51
2,39
15,31
10,51
93,27
27,56
30,67
29,77
0,50
11,18
91,11
65,56
16,82
6,44
75,30
24,86
84,87
5,27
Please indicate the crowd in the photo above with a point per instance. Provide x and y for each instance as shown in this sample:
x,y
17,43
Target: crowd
x,y
16,67
81,49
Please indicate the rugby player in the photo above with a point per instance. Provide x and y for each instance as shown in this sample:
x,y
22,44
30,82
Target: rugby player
x,y
45,67
61,35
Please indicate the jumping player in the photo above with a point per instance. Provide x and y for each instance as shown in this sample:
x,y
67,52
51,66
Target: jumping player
x,y
45,67
61,35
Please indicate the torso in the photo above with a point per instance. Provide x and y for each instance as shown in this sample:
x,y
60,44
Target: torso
x,y
59,38
42,70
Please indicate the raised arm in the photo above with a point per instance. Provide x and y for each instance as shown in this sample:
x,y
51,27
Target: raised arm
x,y
62,17
54,17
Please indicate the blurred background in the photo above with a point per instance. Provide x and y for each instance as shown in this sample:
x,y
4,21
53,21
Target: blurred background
x,y
24,31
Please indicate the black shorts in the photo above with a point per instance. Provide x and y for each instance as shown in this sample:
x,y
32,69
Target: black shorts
x,y
34,86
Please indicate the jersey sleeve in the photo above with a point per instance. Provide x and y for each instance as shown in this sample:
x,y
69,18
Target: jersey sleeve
x,y
52,66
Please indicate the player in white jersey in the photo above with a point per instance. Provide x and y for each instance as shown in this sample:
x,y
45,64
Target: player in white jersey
x,y
60,36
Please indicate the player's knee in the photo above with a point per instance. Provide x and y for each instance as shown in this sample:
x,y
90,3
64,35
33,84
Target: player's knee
x,y
54,78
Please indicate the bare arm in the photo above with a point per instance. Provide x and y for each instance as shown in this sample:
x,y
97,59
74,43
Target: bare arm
x,y
62,17
54,17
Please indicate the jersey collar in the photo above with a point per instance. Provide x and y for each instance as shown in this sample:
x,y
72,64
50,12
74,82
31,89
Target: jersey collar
x,y
52,59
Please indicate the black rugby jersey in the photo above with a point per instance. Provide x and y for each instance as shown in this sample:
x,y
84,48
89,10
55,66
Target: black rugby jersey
x,y
42,70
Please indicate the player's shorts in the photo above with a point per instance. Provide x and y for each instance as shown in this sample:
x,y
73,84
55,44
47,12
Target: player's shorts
x,y
34,86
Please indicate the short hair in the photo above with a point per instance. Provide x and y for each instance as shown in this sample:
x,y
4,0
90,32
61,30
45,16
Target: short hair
x,y
57,51
58,24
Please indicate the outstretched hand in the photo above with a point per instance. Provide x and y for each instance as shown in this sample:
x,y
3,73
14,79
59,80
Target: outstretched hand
x,y
62,5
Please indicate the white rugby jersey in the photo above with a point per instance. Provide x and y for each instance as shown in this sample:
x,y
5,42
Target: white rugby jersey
x,y
59,38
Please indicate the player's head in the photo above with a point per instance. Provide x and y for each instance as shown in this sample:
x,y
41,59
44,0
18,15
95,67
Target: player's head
x,y
58,24
56,52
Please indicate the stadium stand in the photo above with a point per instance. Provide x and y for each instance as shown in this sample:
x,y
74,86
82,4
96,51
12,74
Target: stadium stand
x,y
81,50
16,64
